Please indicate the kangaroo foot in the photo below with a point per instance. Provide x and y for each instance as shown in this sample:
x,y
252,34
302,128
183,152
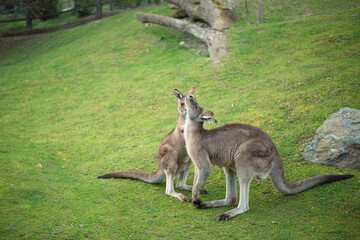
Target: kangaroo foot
x,y
223,217
179,196
185,199
189,188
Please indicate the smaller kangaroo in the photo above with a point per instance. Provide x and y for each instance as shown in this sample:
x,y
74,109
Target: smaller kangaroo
x,y
172,158
244,151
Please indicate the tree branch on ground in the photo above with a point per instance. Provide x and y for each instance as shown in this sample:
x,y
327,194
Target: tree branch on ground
x,y
215,14
260,11
215,40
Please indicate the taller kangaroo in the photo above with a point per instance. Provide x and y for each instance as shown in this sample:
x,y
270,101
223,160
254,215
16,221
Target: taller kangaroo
x,y
172,158
244,151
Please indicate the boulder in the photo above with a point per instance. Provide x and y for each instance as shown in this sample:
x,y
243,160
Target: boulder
x,y
337,141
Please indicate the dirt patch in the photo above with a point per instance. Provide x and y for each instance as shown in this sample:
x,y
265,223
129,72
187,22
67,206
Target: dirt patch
x,y
11,42
16,38
75,23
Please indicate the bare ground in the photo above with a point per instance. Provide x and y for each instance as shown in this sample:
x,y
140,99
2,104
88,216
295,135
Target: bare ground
x,y
15,38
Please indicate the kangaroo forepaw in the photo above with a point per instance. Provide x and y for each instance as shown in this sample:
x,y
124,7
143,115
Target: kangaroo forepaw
x,y
203,191
223,217
196,202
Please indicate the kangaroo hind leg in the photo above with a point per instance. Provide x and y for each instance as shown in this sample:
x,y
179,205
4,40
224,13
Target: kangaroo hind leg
x,y
230,198
170,177
243,200
169,165
253,158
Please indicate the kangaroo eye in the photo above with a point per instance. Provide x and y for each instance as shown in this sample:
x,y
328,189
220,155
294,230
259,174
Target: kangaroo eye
x,y
182,104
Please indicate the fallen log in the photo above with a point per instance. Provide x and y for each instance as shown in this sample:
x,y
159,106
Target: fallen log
x,y
216,41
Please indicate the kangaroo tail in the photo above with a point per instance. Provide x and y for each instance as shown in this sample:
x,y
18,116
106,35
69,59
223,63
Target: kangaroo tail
x,y
157,177
280,183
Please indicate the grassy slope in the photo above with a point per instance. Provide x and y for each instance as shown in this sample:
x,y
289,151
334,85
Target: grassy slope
x,y
97,98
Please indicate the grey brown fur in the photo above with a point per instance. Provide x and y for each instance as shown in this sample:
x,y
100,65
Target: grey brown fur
x,y
172,159
244,151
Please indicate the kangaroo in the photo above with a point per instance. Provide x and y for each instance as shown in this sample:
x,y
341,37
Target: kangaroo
x,y
242,150
172,158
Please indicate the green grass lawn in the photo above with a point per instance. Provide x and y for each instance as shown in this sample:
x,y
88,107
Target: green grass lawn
x,y
78,103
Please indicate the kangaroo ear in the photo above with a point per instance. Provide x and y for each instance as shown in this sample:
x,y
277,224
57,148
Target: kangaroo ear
x,y
191,92
207,117
178,94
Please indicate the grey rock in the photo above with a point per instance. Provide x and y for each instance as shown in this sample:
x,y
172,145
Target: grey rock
x,y
337,141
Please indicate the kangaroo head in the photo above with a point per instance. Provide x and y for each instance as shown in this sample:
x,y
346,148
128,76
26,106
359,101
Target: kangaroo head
x,y
196,113
181,99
